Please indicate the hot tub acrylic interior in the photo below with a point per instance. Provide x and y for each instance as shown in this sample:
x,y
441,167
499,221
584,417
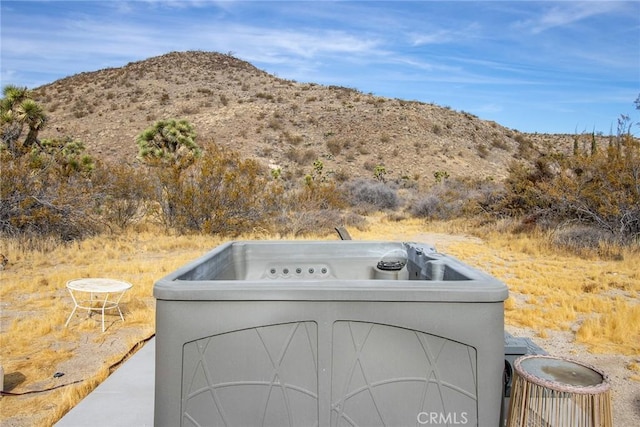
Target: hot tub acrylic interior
x,y
338,333
314,261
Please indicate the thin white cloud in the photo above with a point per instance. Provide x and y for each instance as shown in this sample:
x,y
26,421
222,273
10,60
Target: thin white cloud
x,y
181,4
304,44
485,57
566,13
457,35
94,41
435,37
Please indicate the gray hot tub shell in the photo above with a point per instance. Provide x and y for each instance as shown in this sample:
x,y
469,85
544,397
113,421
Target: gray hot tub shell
x,y
297,333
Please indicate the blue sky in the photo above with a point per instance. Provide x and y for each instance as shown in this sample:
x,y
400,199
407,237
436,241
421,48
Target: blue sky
x,y
547,66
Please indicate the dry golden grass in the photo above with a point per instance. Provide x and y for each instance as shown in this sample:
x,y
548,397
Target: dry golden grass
x,y
634,367
35,306
596,299
552,290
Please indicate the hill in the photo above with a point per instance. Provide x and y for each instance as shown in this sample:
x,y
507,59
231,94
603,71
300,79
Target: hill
x,y
280,122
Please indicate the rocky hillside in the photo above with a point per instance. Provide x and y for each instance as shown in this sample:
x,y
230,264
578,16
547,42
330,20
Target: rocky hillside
x,y
280,122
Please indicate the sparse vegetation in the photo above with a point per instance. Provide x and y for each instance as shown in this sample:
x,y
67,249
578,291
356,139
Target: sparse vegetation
x,y
48,192
454,198
547,290
546,206
363,193
552,290
223,195
335,146
599,189
593,186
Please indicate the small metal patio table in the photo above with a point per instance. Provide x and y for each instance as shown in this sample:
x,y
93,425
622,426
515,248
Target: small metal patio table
x,y
104,294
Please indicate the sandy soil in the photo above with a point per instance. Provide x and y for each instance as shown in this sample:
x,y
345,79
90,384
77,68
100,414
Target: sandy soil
x,y
625,391
95,354
89,359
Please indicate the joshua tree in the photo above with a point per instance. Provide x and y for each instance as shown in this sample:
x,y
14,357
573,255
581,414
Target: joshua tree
x,y
32,114
169,142
380,172
170,146
17,109
12,97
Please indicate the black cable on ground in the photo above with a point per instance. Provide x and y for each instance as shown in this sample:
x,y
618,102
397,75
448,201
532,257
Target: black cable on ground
x,y
112,368
7,393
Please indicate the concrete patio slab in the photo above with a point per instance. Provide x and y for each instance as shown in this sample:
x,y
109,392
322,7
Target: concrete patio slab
x,y
124,399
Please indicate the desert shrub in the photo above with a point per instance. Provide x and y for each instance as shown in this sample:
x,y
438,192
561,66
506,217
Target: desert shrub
x,y
293,139
378,194
525,147
334,145
369,165
457,198
432,206
500,143
308,222
482,151
484,197
314,207
300,156
315,196
315,222
438,203
526,188
316,192
189,109
275,123
600,190
587,240
363,148
267,96
125,194
341,175
223,194
37,200
603,190
353,220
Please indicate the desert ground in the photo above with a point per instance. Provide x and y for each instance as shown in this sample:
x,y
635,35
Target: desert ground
x,y
85,356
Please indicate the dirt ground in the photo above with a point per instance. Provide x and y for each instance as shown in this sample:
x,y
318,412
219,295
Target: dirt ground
x,y
625,391
90,358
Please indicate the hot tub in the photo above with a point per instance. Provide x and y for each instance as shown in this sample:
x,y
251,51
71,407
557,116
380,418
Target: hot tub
x,y
344,333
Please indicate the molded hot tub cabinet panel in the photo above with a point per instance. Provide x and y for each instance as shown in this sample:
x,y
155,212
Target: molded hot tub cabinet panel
x,y
326,334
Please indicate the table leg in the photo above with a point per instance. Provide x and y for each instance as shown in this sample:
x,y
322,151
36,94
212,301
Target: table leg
x,y
104,304
75,307
117,303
